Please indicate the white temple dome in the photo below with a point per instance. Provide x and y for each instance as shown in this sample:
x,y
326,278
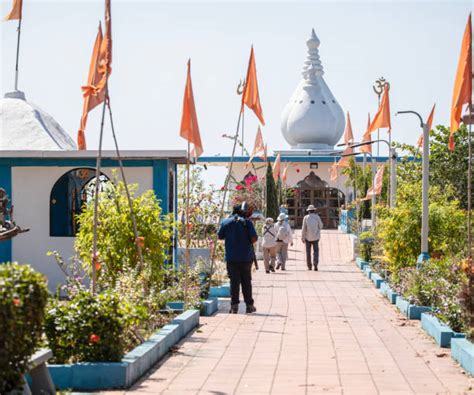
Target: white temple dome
x,y
313,119
24,126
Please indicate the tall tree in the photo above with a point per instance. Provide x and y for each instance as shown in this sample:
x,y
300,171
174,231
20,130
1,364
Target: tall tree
x,y
271,209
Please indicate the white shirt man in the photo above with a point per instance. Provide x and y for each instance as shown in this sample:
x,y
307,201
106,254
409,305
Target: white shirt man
x,y
283,238
310,235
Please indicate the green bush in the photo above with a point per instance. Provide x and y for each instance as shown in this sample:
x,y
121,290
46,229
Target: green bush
x,y
366,240
87,328
399,228
23,297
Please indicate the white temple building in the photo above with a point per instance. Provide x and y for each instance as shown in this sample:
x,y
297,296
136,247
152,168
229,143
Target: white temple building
x,y
312,123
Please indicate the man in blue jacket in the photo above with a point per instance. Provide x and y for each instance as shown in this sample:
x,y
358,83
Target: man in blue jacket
x,y
239,235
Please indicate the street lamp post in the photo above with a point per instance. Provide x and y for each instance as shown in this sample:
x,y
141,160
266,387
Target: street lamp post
x,y
424,256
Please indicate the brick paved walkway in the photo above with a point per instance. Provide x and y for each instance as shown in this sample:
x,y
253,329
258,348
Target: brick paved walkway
x,y
315,332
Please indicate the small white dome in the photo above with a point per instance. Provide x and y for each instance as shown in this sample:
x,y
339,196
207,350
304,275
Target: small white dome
x,y
25,127
313,119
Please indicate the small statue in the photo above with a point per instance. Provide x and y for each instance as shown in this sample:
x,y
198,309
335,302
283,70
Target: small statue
x,y
8,228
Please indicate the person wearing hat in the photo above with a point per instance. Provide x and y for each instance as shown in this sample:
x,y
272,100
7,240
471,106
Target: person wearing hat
x,y
310,235
269,245
283,238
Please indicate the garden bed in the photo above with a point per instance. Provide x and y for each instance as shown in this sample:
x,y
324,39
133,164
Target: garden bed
x,y
112,375
386,290
411,311
439,331
222,291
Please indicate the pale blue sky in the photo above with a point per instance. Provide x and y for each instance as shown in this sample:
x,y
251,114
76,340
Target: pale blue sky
x,y
415,45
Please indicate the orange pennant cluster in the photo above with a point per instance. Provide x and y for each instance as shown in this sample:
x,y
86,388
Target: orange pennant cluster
x,y
462,93
99,70
189,124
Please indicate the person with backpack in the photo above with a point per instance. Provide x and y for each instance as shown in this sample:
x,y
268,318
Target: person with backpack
x,y
269,245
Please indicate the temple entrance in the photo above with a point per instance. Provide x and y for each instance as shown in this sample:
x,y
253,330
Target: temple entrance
x,y
313,190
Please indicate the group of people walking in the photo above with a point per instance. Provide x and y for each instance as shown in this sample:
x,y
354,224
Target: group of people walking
x,y
239,235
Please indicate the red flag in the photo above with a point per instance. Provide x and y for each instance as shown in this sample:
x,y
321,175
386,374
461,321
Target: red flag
x,y
365,138
462,93
382,118
376,189
16,11
429,122
259,149
277,167
189,124
250,96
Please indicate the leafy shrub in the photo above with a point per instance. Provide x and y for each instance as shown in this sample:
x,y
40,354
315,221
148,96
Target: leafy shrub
x,y
399,228
87,328
367,241
23,297
115,239
437,283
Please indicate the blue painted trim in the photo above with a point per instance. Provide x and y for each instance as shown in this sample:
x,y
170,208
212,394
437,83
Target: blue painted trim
x,y
113,375
368,271
161,182
6,183
76,162
220,292
411,311
377,280
462,351
175,305
307,158
361,264
386,290
422,258
440,332
210,306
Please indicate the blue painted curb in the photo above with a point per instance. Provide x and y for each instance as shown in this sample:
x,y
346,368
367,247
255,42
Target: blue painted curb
x,y
108,375
361,263
439,331
377,280
175,305
222,291
388,292
368,271
210,306
462,351
411,311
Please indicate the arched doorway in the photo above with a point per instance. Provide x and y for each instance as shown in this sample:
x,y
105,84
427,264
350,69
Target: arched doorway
x,y
313,190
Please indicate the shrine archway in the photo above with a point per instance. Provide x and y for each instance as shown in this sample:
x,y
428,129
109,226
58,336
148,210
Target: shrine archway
x,y
313,190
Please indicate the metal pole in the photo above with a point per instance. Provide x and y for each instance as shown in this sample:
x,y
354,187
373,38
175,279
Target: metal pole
x,y
188,236
372,213
243,129
393,176
17,54
424,256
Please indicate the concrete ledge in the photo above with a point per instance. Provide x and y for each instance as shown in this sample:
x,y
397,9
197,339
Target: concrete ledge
x,y
462,351
388,292
440,332
411,311
361,263
175,305
377,280
368,271
222,291
109,375
210,306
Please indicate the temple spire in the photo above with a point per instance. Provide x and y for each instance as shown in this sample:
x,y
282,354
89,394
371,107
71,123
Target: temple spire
x,y
312,65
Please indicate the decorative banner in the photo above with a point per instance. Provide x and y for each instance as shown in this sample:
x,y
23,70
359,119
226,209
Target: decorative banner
x,y
16,11
277,167
462,93
382,118
429,122
189,124
250,96
259,149
376,189
367,149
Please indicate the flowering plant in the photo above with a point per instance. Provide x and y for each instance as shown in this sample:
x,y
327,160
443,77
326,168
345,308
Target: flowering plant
x,y
249,190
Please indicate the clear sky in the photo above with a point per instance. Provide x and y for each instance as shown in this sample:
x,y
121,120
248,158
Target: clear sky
x,y
414,45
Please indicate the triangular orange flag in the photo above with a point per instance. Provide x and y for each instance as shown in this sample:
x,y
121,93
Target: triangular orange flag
x,y
277,167
348,135
284,174
265,155
382,118
462,93
258,148
367,149
16,11
189,124
376,189
333,172
105,57
250,96
92,97
429,122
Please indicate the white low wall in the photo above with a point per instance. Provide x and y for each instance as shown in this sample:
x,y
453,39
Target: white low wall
x,y
31,188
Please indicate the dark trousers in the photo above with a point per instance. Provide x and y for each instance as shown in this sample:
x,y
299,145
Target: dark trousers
x,y
240,273
315,246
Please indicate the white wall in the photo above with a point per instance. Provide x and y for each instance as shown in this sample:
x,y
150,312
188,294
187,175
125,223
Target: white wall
x,y
31,187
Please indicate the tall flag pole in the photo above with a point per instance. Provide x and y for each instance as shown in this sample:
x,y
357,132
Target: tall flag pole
x,y
189,131
429,123
16,13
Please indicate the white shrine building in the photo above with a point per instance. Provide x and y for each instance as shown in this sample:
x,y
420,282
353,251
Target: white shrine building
x,y
46,178
312,123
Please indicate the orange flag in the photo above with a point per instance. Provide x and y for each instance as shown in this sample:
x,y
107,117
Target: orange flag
x,y
189,124
348,140
16,11
105,57
382,118
259,149
284,175
92,97
333,172
376,189
462,93
366,137
277,167
429,122
250,96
